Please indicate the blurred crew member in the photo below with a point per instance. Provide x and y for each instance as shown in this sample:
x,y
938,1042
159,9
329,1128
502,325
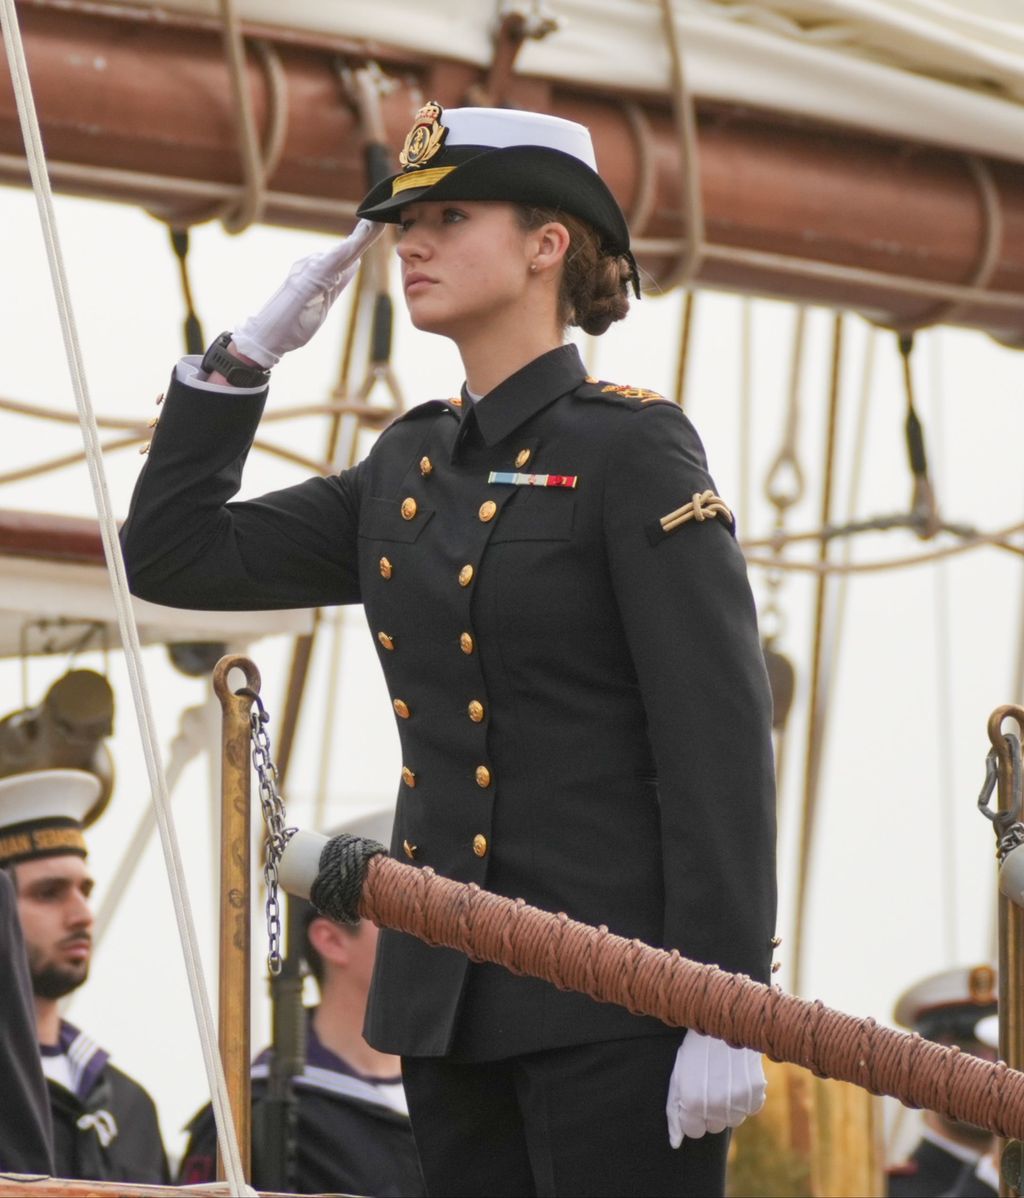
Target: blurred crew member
x,y
947,1008
26,1135
353,1134
104,1124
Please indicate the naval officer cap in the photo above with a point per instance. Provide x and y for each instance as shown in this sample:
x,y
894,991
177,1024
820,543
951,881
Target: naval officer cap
x,y
42,813
502,154
950,1004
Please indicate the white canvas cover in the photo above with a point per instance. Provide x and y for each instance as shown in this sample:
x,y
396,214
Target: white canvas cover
x,y
949,72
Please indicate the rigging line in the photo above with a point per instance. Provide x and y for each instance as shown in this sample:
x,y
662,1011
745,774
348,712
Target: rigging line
x,y
746,407
817,722
995,540
685,337
835,272
684,111
20,408
249,208
944,691
879,524
167,188
226,1136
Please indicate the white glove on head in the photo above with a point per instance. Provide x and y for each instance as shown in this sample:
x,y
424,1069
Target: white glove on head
x,y
712,1087
300,305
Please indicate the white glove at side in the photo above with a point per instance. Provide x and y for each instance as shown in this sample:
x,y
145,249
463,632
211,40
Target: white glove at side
x,y
300,305
712,1087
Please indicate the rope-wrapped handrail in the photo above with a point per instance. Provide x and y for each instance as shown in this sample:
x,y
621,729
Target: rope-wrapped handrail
x,y
680,992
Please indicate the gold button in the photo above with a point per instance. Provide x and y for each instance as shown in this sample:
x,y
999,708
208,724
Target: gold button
x,y
426,466
160,398
408,777
480,845
409,508
466,643
483,776
465,576
153,423
145,449
401,708
386,568
522,457
487,510
386,641
476,711
409,849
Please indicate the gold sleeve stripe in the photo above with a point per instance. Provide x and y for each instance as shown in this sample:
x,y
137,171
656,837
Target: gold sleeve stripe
x,y
425,178
704,505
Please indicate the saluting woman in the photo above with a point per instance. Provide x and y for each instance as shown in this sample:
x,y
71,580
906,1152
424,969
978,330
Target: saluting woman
x,y
577,680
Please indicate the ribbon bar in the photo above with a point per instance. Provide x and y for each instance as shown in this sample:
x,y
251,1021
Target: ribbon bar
x,y
513,479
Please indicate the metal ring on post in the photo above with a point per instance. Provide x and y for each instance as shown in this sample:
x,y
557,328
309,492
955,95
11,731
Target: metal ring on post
x,y
235,965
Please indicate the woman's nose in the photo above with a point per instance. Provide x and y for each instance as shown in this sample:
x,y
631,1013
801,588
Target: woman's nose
x,y
413,246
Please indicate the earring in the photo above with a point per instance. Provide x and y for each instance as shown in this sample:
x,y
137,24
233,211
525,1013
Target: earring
x,y
533,268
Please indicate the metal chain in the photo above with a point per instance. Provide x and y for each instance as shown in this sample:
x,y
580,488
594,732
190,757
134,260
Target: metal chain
x,y
274,816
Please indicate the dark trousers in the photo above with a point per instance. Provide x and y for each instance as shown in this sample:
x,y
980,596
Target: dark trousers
x,y
580,1122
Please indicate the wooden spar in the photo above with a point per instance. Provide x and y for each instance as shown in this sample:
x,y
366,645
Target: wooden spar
x,y
136,107
236,897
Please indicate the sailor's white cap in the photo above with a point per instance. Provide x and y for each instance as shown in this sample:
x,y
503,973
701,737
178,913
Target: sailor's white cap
x,y
500,128
502,154
41,813
954,997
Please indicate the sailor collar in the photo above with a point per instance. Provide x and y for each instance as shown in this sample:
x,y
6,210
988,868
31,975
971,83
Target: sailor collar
x,y
522,395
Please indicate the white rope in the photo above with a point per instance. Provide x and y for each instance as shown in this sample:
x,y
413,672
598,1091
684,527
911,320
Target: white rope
x,y
226,1137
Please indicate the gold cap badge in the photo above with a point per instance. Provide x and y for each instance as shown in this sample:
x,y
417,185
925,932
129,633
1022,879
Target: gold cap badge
x,y
425,138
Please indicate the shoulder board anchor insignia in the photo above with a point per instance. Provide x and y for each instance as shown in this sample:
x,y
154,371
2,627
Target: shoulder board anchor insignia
x,y
631,392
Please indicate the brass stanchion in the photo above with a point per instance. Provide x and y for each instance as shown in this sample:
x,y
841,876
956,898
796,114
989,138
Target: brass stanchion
x,y
236,894
1011,927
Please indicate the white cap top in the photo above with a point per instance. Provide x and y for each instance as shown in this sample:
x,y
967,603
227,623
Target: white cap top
x,y
504,127
964,986
47,794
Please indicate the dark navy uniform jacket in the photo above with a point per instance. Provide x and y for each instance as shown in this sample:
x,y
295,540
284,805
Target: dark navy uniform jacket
x,y
581,698
106,1128
348,1138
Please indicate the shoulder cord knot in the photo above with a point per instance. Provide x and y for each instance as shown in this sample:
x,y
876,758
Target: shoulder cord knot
x,y
339,884
704,505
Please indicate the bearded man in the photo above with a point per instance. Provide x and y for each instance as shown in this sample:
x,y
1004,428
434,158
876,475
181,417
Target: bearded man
x,y
105,1125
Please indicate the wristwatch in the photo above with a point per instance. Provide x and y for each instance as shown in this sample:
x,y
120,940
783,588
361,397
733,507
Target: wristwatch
x,y
238,373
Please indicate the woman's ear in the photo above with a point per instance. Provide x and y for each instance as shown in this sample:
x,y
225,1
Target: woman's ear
x,y
552,242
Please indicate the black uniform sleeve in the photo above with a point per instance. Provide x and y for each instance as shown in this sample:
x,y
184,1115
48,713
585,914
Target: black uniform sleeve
x,y
185,545
692,630
26,1135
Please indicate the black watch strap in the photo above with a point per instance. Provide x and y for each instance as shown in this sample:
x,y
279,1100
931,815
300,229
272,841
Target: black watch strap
x,y
238,374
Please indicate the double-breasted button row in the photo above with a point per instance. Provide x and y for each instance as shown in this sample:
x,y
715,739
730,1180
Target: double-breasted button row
x,y
480,847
